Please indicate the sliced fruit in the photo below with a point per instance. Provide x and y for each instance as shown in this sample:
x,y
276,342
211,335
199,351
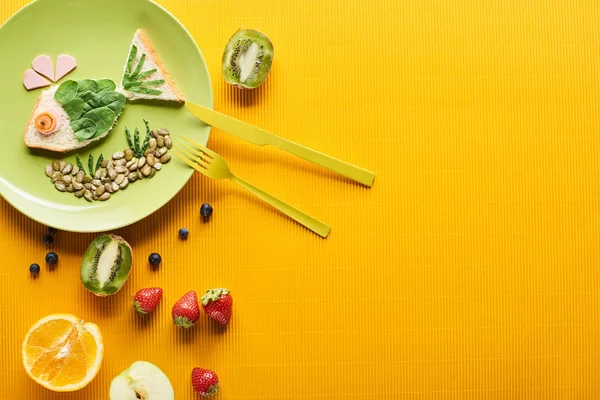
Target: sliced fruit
x,y
33,80
247,59
106,265
141,381
43,66
64,64
62,353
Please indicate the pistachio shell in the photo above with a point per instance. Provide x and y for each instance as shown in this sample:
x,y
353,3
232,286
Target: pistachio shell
x,y
75,170
158,166
165,159
88,195
160,141
146,170
104,163
104,197
112,174
87,178
119,179
61,165
168,142
118,155
60,187
163,132
115,187
141,162
56,165
152,144
80,193
49,171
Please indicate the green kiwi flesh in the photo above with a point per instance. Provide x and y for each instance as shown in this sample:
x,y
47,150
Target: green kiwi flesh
x,y
247,59
106,265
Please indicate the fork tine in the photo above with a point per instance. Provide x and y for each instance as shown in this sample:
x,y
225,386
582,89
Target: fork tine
x,y
194,151
190,163
188,155
202,148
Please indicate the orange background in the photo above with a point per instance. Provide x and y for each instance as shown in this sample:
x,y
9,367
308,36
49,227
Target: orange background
x,y
469,270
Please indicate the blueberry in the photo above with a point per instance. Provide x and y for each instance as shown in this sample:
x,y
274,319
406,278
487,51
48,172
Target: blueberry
x,y
48,239
183,233
52,231
154,259
34,269
51,258
206,210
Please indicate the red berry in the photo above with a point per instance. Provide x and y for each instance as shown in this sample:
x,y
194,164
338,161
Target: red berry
x,y
186,311
205,382
146,300
218,304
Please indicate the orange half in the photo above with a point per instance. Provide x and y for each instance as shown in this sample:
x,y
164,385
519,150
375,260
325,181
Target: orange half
x,y
63,353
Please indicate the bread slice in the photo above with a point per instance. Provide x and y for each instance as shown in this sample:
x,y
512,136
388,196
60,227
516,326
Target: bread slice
x,y
168,89
63,140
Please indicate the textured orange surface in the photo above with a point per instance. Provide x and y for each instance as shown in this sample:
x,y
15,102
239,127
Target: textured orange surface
x,y
469,270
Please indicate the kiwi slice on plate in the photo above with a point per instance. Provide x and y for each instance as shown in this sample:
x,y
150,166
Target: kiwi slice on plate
x,y
106,265
247,59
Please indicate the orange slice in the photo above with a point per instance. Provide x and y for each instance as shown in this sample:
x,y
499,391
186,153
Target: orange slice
x,y
63,353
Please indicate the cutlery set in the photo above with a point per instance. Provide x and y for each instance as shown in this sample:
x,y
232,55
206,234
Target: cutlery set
x,y
210,164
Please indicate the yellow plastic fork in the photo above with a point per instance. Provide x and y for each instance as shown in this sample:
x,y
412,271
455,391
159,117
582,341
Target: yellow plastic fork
x,y
209,163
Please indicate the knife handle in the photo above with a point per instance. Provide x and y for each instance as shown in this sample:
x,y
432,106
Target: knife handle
x,y
262,137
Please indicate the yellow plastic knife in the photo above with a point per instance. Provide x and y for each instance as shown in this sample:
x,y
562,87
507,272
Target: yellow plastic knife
x,y
261,137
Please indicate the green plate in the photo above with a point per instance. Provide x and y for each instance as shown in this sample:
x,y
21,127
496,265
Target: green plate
x,y
98,34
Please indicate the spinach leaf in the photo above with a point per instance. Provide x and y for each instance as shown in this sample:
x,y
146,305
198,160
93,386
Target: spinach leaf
x,y
87,85
90,99
113,100
104,118
84,129
66,91
106,85
74,108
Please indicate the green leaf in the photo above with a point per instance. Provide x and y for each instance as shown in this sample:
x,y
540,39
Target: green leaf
x,y
106,85
147,74
131,59
128,135
104,118
83,128
99,162
143,83
113,100
66,91
74,108
90,99
91,164
144,90
147,139
87,85
139,67
136,140
80,164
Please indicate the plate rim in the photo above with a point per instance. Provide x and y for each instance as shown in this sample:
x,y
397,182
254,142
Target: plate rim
x,y
6,188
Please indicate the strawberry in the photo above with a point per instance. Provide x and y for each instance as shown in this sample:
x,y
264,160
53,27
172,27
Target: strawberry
x,y
205,382
217,304
186,311
146,300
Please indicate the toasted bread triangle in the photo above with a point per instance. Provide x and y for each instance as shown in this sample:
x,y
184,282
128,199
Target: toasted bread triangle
x,y
168,90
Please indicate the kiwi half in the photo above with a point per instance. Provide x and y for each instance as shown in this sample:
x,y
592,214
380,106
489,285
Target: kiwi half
x,y
106,265
247,59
